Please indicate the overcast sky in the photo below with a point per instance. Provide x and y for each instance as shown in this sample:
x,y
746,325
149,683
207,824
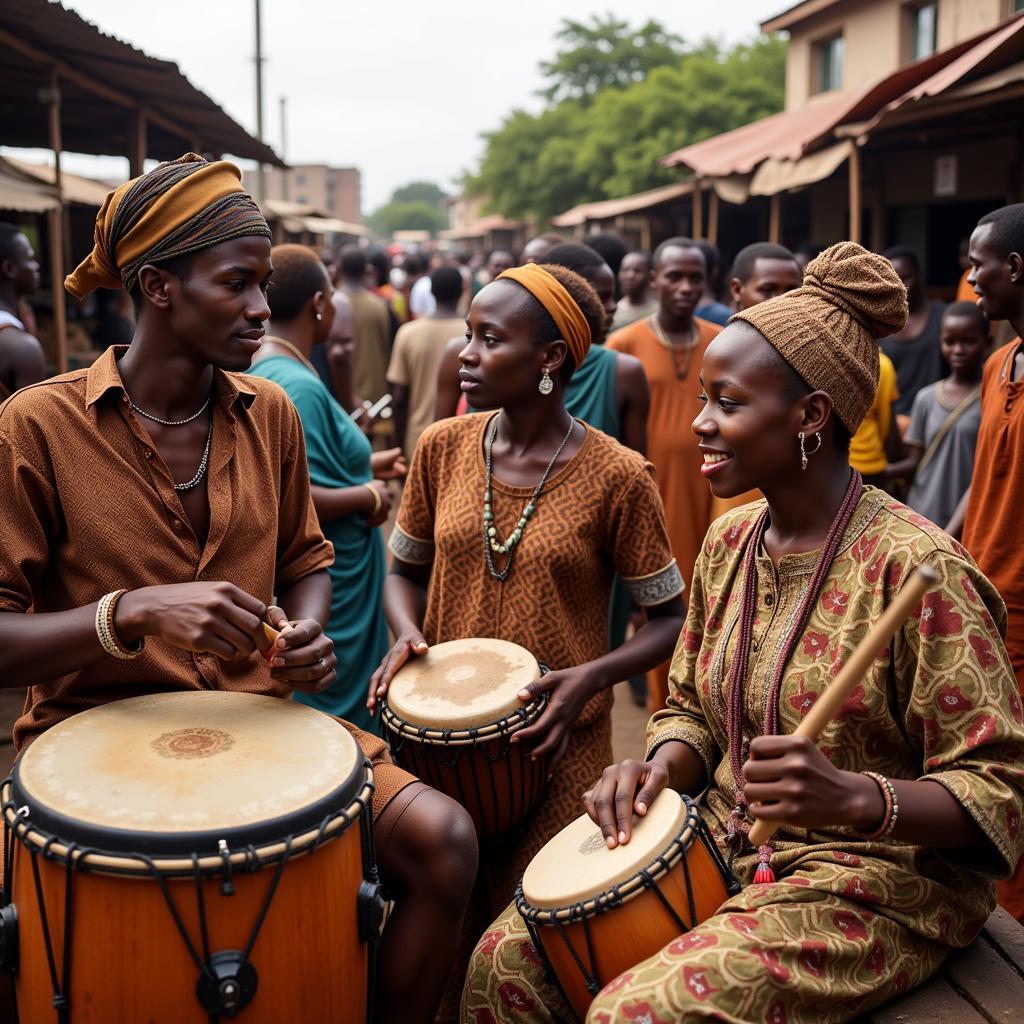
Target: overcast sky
x,y
401,90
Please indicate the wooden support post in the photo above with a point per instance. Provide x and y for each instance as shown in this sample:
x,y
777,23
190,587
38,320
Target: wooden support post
x,y
855,199
56,229
645,233
775,219
698,211
137,136
713,216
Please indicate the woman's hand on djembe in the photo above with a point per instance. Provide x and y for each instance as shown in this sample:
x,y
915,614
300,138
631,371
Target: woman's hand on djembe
x,y
568,690
407,646
302,656
623,789
789,781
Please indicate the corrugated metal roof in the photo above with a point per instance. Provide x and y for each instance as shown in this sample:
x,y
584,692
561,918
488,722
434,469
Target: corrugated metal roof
x,y
101,124
23,193
606,208
791,134
76,188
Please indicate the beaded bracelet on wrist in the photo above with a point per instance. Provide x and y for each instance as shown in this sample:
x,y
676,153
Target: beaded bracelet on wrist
x,y
106,632
892,807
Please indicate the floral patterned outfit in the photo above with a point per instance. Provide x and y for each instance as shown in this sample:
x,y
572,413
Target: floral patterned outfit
x,y
599,515
849,923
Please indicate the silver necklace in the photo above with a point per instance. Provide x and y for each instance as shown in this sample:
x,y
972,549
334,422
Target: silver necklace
x,y
492,543
169,423
201,471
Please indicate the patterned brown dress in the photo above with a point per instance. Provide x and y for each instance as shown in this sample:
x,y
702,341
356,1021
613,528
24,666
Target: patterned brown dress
x,y
599,515
849,923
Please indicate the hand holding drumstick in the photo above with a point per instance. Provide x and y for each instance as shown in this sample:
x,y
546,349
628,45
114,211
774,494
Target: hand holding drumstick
x,y
789,781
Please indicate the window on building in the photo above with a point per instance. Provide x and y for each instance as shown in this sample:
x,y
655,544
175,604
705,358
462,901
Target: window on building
x,y
300,179
922,21
1016,5
828,61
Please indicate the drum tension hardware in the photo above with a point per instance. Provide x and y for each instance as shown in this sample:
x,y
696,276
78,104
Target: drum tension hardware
x,y
229,985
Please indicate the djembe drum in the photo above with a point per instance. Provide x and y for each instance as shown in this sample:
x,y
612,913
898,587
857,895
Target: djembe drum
x,y
186,857
450,715
593,912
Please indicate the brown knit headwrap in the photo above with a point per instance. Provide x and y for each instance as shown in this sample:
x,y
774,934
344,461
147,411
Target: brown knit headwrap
x,y
828,329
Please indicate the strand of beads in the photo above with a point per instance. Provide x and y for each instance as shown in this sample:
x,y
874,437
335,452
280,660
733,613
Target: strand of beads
x,y
492,545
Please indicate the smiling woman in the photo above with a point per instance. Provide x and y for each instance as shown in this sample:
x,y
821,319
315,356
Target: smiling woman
x,y
891,833
512,524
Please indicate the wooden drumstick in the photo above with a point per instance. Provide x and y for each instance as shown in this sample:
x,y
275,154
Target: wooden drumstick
x,y
828,704
271,635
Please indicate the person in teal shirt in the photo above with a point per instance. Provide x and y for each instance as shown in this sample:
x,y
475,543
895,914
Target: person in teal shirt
x,y
349,488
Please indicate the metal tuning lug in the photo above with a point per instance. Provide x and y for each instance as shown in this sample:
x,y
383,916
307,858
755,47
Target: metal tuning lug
x,y
8,939
369,911
231,987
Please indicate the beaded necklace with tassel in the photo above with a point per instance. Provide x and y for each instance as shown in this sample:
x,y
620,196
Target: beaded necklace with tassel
x,y
739,824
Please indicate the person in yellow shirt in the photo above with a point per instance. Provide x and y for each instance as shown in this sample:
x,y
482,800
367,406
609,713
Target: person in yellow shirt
x,y
878,435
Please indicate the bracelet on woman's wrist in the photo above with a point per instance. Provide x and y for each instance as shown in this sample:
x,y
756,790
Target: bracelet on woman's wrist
x,y
892,807
376,498
107,634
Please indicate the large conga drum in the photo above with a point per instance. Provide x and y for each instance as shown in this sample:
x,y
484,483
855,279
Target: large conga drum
x,y
184,858
594,913
450,715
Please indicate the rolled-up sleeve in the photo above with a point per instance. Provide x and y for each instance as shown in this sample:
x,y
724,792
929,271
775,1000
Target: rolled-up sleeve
x,y
301,545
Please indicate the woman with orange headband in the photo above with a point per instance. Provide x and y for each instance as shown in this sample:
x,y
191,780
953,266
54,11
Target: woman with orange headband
x,y
562,507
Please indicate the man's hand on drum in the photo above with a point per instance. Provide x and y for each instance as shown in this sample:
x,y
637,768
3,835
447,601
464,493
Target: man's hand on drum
x,y
788,780
303,655
623,789
568,690
407,646
212,618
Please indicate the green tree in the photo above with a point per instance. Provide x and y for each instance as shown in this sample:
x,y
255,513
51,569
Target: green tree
x,y
607,53
611,144
420,191
417,215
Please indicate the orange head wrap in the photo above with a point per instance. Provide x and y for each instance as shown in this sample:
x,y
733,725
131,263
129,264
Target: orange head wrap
x,y
551,294
179,207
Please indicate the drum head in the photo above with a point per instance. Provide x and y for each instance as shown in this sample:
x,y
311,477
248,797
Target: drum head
x,y
462,683
173,773
577,865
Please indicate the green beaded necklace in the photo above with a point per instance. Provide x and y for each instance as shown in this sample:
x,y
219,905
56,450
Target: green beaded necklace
x,y
491,541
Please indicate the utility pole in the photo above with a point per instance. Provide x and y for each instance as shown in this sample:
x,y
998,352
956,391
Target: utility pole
x,y
284,145
261,184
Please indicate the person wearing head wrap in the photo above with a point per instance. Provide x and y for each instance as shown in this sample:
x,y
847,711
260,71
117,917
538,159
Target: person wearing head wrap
x,y
157,502
872,878
512,524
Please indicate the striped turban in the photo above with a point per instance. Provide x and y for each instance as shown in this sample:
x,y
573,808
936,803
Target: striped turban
x,y
177,208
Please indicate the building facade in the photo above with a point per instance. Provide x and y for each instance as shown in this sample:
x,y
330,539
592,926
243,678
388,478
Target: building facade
x,y
333,191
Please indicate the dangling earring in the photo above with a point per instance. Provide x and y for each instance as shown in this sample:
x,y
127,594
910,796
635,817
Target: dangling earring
x,y
319,316
803,451
546,385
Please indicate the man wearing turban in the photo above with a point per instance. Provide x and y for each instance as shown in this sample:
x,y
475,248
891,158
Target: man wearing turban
x,y
156,503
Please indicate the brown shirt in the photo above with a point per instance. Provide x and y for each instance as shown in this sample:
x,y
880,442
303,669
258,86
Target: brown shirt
x,y
90,507
371,325
600,514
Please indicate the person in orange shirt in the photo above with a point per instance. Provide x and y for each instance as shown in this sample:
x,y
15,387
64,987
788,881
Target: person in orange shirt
x,y
670,344
990,510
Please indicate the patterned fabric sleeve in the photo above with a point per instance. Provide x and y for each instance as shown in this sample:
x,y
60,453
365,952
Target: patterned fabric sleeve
x,y
639,543
961,707
412,539
683,717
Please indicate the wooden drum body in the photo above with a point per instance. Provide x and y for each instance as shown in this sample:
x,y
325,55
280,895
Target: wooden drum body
x,y
450,715
183,858
594,913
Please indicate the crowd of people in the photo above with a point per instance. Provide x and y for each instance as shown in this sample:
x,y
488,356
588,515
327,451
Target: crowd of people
x,y
633,465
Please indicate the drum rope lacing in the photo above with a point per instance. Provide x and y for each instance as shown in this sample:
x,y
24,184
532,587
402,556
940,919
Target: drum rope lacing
x,y
76,857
